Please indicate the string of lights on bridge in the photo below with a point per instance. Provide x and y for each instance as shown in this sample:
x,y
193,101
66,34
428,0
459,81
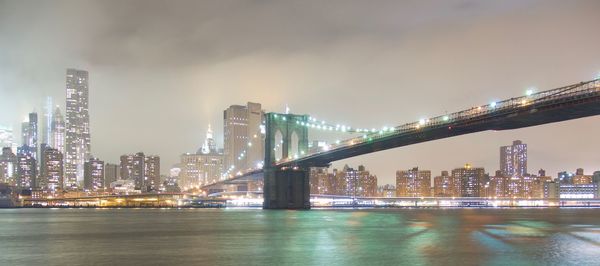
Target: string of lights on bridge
x,y
369,134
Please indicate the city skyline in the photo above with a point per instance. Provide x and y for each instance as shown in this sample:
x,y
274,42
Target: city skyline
x,y
198,100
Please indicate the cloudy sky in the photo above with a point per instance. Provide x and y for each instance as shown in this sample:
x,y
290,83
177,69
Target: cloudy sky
x,y
160,71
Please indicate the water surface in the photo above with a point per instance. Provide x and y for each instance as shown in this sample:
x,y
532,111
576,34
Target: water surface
x,y
316,237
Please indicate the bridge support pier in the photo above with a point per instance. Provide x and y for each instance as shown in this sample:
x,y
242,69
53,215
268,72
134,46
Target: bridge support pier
x,y
286,189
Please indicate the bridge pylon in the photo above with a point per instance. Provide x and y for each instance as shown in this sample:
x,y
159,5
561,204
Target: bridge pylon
x,y
288,187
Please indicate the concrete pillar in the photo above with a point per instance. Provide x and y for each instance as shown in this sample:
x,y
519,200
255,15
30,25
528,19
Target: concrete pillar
x,y
286,189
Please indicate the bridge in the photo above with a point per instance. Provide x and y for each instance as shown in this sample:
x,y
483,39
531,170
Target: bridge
x,y
286,174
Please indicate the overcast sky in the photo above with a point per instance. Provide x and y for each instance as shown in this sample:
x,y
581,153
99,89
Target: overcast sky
x,y
160,71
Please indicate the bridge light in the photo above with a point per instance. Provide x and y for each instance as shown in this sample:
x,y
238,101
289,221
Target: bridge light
x,y
249,144
364,136
418,126
373,130
524,102
275,115
323,122
337,141
421,121
529,92
284,118
445,118
493,104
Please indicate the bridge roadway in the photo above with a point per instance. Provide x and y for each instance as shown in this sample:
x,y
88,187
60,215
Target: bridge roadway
x,y
561,104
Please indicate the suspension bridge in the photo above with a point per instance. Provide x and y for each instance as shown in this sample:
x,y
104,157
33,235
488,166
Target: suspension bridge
x,y
288,159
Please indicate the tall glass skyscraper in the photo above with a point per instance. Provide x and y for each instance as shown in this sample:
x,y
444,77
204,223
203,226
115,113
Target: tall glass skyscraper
x,y
77,141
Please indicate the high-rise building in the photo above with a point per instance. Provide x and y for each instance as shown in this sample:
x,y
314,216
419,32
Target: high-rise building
x,y
132,168
52,169
46,125
77,137
413,183
57,131
94,175
444,185
354,182
111,173
7,138
152,173
8,166
29,131
243,137
26,167
471,179
513,159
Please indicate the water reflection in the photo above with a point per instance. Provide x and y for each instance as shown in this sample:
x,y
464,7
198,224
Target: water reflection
x,y
318,237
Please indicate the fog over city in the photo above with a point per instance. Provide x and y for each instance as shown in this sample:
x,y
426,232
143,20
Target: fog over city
x,y
159,73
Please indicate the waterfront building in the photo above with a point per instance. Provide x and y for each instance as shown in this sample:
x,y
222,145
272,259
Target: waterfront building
x,y
8,166
551,190
413,183
354,182
26,167
77,126
580,191
596,177
52,170
513,159
444,185
152,173
565,177
123,186
132,168
57,131
94,175
320,181
111,173
471,179
243,137
387,191
580,178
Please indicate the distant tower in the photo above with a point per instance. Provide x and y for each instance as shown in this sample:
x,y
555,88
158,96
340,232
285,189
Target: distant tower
x,y
48,114
209,145
513,159
57,131
77,139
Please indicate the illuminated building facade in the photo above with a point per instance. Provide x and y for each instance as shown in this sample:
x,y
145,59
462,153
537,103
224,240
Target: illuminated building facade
x,y
413,183
77,127
444,185
8,166
57,131
52,170
26,167
94,175
243,137
513,159
471,180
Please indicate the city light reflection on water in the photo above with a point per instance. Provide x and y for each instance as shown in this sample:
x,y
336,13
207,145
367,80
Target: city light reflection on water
x,y
317,237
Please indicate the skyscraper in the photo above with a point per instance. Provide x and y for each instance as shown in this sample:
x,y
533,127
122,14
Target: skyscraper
x,y
57,131
243,140
513,159
29,131
52,169
93,179
77,139
46,126
26,167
